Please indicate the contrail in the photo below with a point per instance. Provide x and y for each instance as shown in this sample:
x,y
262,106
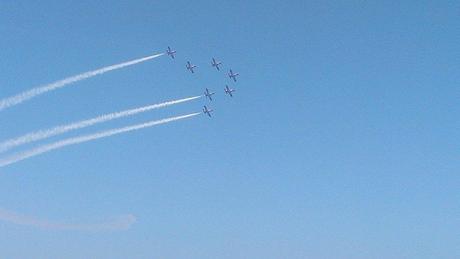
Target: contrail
x,y
85,138
24,96
117,223
42,134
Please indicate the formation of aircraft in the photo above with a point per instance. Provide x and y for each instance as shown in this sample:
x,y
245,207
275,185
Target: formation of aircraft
x,y
216,64
208,94
190,67
233,75
207,111
229,91
171,52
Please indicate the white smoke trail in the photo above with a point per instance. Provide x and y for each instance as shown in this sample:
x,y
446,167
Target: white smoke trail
x,y
77,140
117,223
42,134
24,96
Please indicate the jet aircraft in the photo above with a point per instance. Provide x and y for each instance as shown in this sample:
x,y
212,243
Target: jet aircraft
x,y
233,75
207,111
171,52
216,64
229,91
208,94
190,67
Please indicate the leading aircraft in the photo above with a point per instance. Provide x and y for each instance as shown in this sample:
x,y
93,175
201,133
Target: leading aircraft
x,y
190,67
171,52
207,111
208,94
216,64
229,91
233,75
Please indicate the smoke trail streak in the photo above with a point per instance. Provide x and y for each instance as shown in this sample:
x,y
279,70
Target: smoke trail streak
x,y
85,138
42,134
117,223
24,96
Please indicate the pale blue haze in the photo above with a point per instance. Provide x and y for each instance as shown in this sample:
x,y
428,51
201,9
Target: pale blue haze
x,y
342,139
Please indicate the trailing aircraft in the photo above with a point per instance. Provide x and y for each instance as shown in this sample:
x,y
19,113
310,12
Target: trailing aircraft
x,y
208,94
207,111
170,52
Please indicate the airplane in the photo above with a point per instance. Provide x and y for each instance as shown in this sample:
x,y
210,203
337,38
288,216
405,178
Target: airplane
x,y
171,52
215,63
208,94
232,75
190,67
229,91
207,111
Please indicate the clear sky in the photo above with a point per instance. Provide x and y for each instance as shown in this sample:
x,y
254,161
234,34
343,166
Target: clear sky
x,y
342,139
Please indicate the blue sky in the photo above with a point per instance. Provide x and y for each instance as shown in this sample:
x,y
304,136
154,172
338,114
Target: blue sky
x,y
341,141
